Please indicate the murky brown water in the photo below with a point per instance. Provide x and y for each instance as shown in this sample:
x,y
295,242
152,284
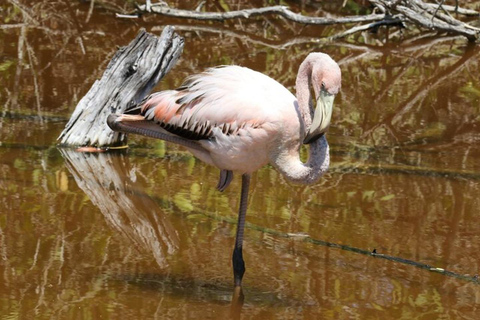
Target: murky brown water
x,y
145,234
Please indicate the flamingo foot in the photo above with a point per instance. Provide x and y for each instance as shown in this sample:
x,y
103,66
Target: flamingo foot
x,y
238,266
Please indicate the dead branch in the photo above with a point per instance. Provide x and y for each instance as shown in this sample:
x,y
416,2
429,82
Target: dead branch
x,y
388,21
409,45
250,13
427,16
462,11
247,37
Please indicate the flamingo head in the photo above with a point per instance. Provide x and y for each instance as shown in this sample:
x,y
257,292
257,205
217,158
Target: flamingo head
x,y
326,81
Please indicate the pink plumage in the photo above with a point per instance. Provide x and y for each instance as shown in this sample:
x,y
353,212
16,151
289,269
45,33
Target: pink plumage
x,y
239,120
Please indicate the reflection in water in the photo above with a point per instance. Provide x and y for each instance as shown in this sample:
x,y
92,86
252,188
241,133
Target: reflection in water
x,y
111,185
237,302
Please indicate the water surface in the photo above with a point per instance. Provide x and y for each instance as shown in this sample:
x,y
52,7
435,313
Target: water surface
x,y
145,234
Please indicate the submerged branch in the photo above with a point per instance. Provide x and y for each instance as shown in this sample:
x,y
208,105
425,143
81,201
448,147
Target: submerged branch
x,y
303,40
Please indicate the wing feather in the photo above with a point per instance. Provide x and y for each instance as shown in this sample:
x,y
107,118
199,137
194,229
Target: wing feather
x,y
230,99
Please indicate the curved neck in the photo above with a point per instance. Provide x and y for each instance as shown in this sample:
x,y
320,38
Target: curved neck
x,y
288,162
304,96
296,171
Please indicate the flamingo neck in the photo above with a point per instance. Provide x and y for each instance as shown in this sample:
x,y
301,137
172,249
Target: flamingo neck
x,y
290,165
288,162
304,96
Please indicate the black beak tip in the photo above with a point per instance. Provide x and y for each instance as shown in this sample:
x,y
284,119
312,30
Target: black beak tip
x,y
309,139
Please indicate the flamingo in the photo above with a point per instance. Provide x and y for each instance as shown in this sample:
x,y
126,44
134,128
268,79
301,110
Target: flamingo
x,y
239,120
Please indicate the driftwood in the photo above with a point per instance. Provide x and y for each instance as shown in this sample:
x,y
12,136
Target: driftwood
x,y
131,74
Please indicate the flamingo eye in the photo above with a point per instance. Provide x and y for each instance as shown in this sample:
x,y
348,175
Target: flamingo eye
x,y
324,86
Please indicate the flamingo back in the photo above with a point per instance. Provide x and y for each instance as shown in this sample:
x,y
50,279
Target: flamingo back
x,y
236,113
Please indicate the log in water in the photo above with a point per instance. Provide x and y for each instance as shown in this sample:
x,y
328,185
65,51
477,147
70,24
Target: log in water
x,y
131,74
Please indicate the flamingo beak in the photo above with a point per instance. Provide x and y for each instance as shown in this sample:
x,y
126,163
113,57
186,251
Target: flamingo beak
x,y
321,117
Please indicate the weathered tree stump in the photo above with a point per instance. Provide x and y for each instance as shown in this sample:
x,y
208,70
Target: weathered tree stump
x,y
131,74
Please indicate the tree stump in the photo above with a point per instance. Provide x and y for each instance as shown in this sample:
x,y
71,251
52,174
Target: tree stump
x,y
131,74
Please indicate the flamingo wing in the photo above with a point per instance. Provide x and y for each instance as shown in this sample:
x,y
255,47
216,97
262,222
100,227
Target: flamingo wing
x,y
231,117
219,101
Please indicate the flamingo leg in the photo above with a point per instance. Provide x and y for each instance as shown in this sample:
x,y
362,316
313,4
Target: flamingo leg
x,y
237,258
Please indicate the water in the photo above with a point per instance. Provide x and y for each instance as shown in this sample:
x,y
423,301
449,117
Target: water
x,y
144,234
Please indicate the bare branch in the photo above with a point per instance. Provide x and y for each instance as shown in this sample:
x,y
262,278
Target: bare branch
x,y
388,21
250,13
446,18
426,16
12,26
393,13
279,45
456,9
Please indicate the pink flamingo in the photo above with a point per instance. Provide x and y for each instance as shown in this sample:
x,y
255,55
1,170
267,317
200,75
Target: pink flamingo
x,y
239,120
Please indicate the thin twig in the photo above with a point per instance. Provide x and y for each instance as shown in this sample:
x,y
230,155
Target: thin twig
x,y
90,11
33,63
126,16
25,11
12,26
440,5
